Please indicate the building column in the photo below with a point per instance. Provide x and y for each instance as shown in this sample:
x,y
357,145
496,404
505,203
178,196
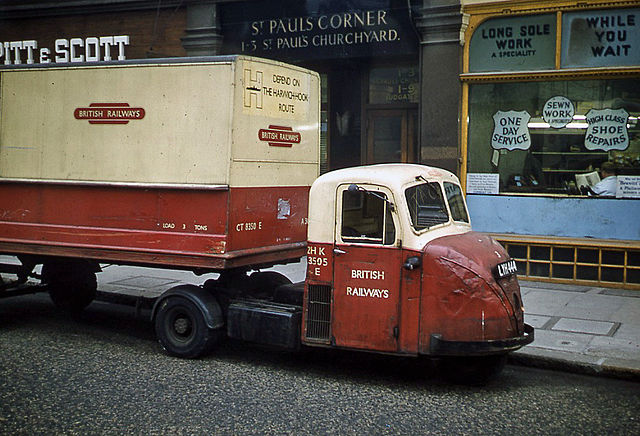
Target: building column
x,y
203,32
441,25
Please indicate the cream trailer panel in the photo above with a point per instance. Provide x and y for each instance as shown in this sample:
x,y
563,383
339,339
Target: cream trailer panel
x,y
118,123
276,130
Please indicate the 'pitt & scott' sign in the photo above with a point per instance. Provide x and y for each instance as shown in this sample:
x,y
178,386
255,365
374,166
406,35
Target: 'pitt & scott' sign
x,y
91,49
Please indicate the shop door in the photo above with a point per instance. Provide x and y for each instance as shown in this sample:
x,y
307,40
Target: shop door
x,y
392,136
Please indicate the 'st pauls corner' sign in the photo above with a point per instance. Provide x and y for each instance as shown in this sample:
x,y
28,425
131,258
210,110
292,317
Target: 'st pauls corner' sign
x,y
317,29
91,49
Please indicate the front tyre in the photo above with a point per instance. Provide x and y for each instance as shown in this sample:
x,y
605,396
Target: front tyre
x,y
474,371
181,329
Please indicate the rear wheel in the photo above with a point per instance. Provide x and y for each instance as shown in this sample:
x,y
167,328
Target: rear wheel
x,y
72,285
182,330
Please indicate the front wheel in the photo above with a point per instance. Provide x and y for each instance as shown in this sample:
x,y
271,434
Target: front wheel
x,y
477,370
181,329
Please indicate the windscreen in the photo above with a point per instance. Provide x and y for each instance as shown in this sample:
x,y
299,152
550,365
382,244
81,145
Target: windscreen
x,y
426,205
456,202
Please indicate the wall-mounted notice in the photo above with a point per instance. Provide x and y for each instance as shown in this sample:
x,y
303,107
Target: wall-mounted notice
x,y
483,183
510,130
601,38
628,187
607,130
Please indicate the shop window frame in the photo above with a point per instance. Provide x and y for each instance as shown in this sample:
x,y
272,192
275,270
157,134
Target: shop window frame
x,y
480,13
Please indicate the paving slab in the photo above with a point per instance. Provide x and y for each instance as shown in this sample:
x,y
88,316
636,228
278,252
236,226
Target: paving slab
x,y
602,328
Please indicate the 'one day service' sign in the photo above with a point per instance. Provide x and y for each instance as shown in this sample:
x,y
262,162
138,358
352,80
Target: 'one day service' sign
x,y
511,131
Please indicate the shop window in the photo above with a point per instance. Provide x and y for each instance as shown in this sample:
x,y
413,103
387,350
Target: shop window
x,y
554,136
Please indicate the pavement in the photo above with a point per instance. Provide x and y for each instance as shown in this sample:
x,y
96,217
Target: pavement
x,y
589,330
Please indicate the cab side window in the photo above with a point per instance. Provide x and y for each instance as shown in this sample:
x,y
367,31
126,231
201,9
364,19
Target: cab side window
x,y
366,219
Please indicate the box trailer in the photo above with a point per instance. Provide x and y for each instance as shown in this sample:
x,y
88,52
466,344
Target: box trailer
x,y
183,163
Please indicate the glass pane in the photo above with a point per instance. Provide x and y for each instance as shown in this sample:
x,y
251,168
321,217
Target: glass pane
x,y
517,251
565,141
586,272
456,202
539,269
366,218
633,258
426,206
588,255
514,44
600,38
387,139
563,254
562,271
540,252
393,85
612,274
611,257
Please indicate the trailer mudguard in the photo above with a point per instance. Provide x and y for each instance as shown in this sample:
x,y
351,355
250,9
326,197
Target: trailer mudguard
x,y
203,299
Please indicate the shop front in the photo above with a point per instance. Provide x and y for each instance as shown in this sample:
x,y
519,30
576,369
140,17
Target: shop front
x,y
551,99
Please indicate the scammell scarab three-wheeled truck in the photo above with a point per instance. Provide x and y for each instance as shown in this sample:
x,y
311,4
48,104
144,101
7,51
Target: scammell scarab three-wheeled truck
x,y
211,165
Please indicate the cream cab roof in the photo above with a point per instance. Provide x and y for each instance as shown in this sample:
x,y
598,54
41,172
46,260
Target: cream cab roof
x,y
395,178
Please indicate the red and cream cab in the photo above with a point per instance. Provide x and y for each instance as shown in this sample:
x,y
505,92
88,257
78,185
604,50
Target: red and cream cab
x,y
394,267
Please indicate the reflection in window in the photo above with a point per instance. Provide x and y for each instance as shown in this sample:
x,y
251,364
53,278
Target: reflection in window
x,y
366,218
426,205
456,202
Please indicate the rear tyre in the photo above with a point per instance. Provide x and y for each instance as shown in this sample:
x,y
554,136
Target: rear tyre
x,y
72,285
182,330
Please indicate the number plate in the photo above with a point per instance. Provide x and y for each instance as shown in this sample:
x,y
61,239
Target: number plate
x,y
507,268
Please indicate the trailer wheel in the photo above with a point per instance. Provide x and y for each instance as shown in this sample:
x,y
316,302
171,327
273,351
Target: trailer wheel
x,y
72,285
182,330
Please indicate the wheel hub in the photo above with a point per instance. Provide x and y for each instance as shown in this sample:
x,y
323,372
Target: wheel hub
x,y
181,326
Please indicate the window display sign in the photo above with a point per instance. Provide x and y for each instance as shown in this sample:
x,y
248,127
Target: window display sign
x,y
628,187
607,130
314,29
510,130
558,112
483,183
601,38
514,44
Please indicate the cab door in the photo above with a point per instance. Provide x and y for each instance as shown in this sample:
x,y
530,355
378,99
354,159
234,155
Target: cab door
x,y
367,270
